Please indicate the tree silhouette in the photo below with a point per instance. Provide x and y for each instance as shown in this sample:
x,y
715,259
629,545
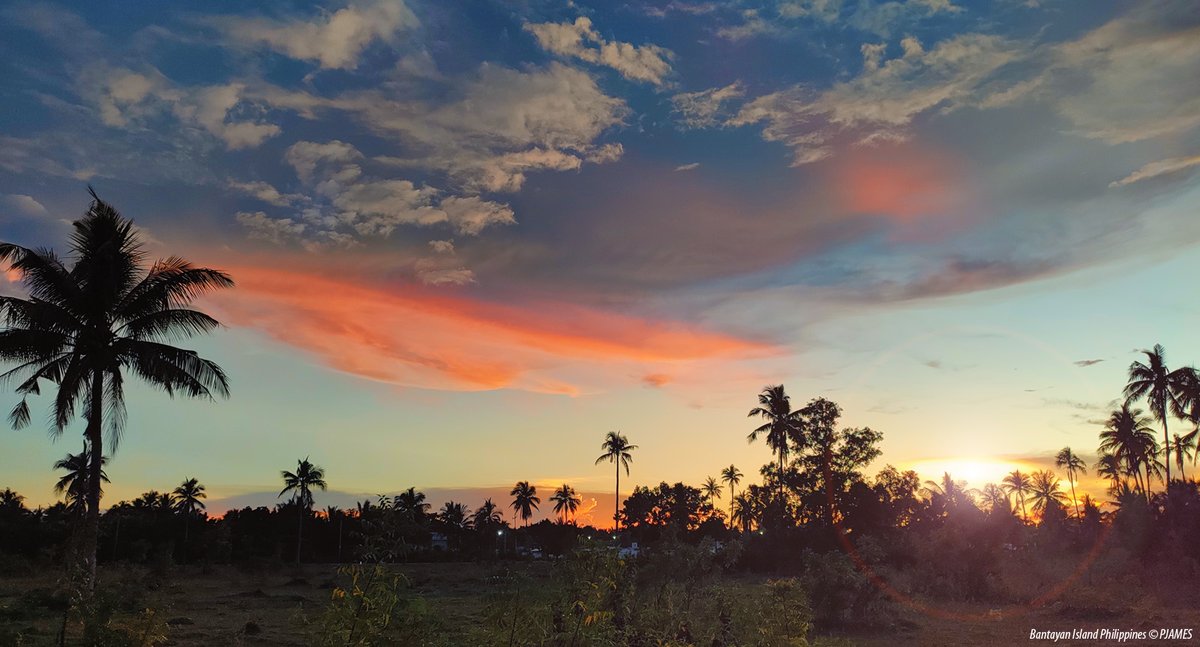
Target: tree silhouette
x,y
731,476
1184,447
188,502
411,504
74,482
1045,492
1128,436
782,425
616,450
712,490
1109,466
525,500
1018,483
84,327
566,501
1067,460
487,515
1166,392
301,483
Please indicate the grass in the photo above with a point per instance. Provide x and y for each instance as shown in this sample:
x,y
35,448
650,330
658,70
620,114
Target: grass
x,y
228,606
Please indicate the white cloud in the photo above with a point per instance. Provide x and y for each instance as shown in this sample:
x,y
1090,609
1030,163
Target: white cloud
x,y
442,246
21,205
127,99
1126,81
706,108
333,41
444,275
275,230
646,63
881,103
1155,169
264,192
688,167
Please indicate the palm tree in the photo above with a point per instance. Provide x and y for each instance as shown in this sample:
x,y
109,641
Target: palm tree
x,y
1018,483
456,515
74,482
731,476
411,504
12,501
82,328
1045,491
487,515
188,497
711,489
1109,466
1128,436
301,483
616,450
1184,447
1166,392
782,424
949,492
995,499
566,501
525,500
1067,460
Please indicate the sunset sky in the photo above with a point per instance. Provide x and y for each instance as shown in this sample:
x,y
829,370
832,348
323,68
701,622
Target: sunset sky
x,y
472,237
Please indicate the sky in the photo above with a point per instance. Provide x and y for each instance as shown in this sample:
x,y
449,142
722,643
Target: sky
x,y
470,238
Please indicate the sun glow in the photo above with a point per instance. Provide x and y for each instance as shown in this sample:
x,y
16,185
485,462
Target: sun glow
x,y
977,472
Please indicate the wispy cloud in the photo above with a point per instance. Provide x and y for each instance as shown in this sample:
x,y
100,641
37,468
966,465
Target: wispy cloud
x,y
1159,168
648,63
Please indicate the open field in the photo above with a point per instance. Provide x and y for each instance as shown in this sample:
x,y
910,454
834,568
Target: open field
x,y
233,607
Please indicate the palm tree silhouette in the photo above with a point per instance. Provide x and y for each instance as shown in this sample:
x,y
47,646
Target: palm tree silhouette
x,y
566,501
1109,466
188,497
711,489
616,450
525,500
782,424
1067,460
1184,447
1128,436
1045,491
488,514
411,504
1166,392
1016,482
995,499
301,483
84,327
74,482
11,500
732,477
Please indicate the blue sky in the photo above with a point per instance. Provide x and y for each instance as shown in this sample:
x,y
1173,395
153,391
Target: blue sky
x,y
470,238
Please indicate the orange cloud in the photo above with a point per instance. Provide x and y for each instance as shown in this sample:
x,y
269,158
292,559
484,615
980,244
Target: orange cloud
x,y
414,336
904,182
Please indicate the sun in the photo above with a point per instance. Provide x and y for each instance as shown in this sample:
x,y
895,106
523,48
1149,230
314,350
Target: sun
x,y
977,472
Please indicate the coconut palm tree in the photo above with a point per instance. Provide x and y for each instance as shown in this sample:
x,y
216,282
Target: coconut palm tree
x,y
731,476
188,497
949,493
1184,447
11,501
1018,483
1166,392
783,425
1067,460
456,515
411,504
616,450
525,500
1108,466
1128,436
74,482
566,501
712,490
487,515
1045,491
85,327
995,499
301,483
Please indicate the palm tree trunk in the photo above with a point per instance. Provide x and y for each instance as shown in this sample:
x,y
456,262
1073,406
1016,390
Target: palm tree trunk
x,y
731,497
1072,481
1024,516
617,503
1166,447
299,533
91,526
